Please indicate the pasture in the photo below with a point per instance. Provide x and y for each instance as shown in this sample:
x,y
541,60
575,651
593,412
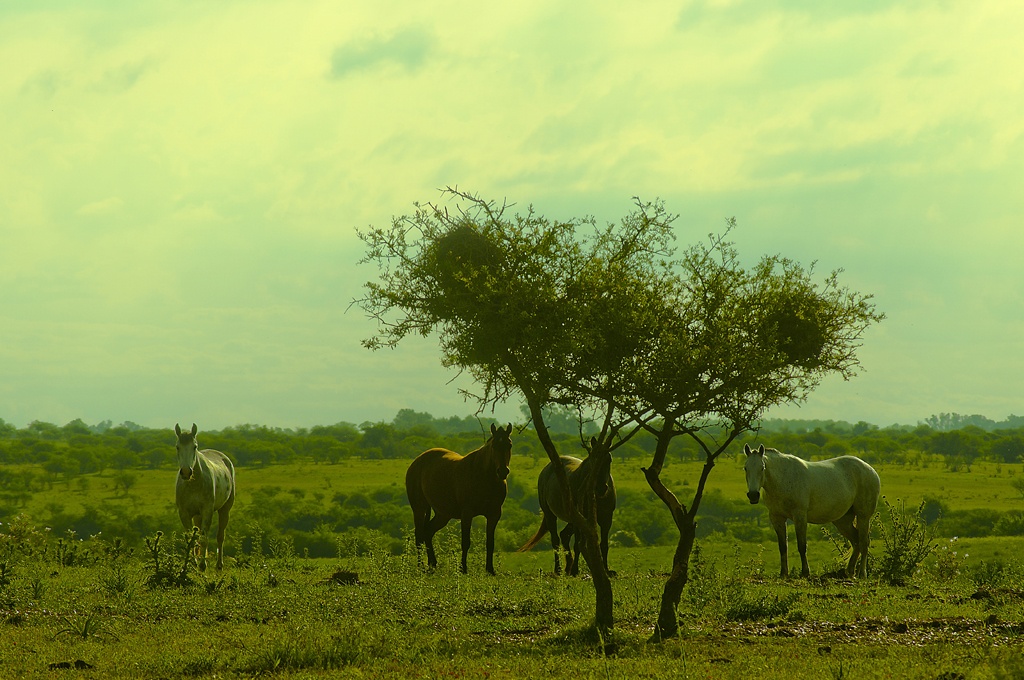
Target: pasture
x,y
987,486
379,615
274,612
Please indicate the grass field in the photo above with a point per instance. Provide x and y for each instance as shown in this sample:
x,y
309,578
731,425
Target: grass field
x,y
986,485
289,617
285,616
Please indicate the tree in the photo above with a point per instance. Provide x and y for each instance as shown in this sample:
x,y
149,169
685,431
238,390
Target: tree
x,y
733,343
608,322
528,307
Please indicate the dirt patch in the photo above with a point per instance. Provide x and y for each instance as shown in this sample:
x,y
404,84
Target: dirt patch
x,y
958,630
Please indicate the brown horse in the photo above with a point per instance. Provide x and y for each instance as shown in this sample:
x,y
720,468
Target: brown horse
x,y
459,487
552,505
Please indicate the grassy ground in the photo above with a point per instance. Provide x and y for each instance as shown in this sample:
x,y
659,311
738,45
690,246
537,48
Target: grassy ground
x,y
289,617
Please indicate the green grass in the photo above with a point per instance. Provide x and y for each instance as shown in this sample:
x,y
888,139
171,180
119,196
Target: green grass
x,y
283,618
986,486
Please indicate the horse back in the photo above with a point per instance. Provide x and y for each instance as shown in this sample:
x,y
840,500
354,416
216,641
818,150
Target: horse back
x,y
448,482
843,484
223,471
869,485
549,491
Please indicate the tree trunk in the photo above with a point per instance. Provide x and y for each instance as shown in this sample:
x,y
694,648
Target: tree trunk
x,y
668,621
668,625
685,520
584,514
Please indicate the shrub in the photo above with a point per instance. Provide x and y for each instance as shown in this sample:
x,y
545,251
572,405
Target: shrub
x,y
1010,524
907,542
761,607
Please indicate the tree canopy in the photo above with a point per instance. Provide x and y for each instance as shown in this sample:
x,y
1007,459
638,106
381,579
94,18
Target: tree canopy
x,y
573,313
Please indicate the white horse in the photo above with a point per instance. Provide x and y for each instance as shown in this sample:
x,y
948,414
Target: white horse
x,y
843,491
206,483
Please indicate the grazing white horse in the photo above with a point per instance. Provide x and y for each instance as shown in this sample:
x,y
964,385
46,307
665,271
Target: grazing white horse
x,y
843,491
206,483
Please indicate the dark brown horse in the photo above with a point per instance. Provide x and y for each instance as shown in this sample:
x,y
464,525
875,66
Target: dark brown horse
x,y
552,505
459,487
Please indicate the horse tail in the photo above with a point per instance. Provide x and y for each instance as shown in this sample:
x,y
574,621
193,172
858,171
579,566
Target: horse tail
x,y
417,498
536,537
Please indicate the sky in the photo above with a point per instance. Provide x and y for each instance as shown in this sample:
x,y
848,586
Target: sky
x,y
182,183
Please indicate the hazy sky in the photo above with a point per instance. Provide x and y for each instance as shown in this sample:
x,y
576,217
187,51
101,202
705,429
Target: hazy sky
x,y
182,181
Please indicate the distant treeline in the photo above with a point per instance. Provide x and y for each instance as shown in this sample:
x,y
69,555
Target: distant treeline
x,y
36,458
75,448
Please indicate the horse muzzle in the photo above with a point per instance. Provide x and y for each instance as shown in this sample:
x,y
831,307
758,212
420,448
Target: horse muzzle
x,y
503,473
754,497
186,473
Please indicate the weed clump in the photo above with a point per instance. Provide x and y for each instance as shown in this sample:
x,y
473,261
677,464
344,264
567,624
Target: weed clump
x,y
164,573
907,541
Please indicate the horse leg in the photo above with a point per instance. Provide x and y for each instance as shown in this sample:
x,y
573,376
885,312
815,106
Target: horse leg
x,y
492,524
189,522
863,543
419,530
204,537
778,523
800,525
433,525
564,542
467,528
222,526
845,526
604,546
551,525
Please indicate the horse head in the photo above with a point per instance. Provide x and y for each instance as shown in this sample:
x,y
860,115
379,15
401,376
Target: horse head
x,y
754,470
187,450
600,457
501,448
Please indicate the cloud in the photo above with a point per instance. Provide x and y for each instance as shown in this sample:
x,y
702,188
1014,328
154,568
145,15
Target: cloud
x,y
409,48
734,12
122,78
160,163
103,207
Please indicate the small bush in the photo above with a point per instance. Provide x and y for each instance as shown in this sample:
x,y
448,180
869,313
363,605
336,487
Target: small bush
x,y
907,542
759,608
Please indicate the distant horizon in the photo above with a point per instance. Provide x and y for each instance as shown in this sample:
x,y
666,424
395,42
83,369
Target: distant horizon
x,y
485,418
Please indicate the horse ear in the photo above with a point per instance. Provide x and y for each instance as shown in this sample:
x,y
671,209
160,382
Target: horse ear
x,y
760,449
746,449
177,429
493,429
194,429
510,429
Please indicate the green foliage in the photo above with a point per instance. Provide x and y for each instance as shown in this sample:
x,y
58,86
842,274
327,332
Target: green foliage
x,y
712,589
761,607
1018,485
84,627
907,541
163,555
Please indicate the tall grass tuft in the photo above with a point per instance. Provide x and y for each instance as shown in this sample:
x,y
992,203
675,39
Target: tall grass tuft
x,y
907,541
164,572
